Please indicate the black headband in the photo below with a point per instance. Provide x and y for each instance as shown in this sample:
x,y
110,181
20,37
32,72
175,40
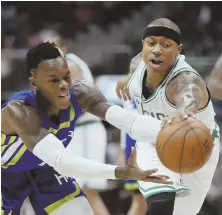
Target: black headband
x,y
162,31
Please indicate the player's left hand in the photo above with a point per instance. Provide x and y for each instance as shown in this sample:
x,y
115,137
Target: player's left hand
x,y
136,173
183,114
122,90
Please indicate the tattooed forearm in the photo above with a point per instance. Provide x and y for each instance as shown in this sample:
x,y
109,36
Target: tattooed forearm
x,y
187,92
91,99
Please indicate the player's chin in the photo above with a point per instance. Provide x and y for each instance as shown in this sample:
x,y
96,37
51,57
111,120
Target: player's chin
x,y
63,102
156,67
63,105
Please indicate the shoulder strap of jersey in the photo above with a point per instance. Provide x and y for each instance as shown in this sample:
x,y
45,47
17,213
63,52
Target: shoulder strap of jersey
x,y
181,66
137,79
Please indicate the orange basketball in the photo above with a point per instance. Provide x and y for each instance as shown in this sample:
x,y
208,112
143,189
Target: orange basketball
x,y
184,146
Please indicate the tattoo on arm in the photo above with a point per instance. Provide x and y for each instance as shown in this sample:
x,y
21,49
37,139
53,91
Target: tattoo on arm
x,y
91,99
187,92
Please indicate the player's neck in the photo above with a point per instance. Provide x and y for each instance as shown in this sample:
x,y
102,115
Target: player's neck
x,y
48,109
154,79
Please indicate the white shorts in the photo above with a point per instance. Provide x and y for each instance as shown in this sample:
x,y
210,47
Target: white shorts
x,y
191,189
90,141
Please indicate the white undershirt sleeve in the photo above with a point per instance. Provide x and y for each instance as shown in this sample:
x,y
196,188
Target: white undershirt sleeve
x,y
51,150
139,127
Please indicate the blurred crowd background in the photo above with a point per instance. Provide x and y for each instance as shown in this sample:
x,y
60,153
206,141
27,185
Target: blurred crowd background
x,y
106,35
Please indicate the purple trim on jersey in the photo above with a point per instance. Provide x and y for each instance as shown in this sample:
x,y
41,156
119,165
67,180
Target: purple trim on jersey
x,y
17,96
16,151
16,138
41,183
5,150
6,140
28,160
78,110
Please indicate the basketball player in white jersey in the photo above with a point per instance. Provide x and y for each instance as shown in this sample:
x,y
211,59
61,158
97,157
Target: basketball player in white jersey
x,y
164,86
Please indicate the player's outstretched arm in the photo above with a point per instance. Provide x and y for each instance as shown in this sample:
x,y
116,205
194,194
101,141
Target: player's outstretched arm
x,y
24,121
139,127
188,93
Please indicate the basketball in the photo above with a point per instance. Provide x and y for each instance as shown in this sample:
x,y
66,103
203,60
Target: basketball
x,y
184,146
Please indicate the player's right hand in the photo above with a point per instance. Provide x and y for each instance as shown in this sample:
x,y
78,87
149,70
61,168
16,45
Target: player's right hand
x,y
178,114
121,89
133,172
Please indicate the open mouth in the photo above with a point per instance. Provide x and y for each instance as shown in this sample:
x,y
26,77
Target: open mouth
x,y
65,95
156,62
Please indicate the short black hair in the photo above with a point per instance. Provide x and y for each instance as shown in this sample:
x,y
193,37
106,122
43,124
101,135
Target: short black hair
x,y
43,51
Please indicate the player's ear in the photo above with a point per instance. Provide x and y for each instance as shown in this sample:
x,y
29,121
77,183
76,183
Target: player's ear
x,y
142,42
32,81
179,48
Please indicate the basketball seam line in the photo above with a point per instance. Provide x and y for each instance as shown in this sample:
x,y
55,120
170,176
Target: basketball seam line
x,y
181,158
169,139
199,127
204,131
172,135
193,129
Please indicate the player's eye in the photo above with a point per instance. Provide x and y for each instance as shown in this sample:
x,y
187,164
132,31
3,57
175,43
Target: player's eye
x,y
166,45
151,43
67,77
54,81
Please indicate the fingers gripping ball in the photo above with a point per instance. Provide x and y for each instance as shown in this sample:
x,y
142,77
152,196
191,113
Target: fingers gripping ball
x,y
184,146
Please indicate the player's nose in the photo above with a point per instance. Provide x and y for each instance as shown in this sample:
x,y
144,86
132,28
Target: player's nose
x,y
157,51
63,85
